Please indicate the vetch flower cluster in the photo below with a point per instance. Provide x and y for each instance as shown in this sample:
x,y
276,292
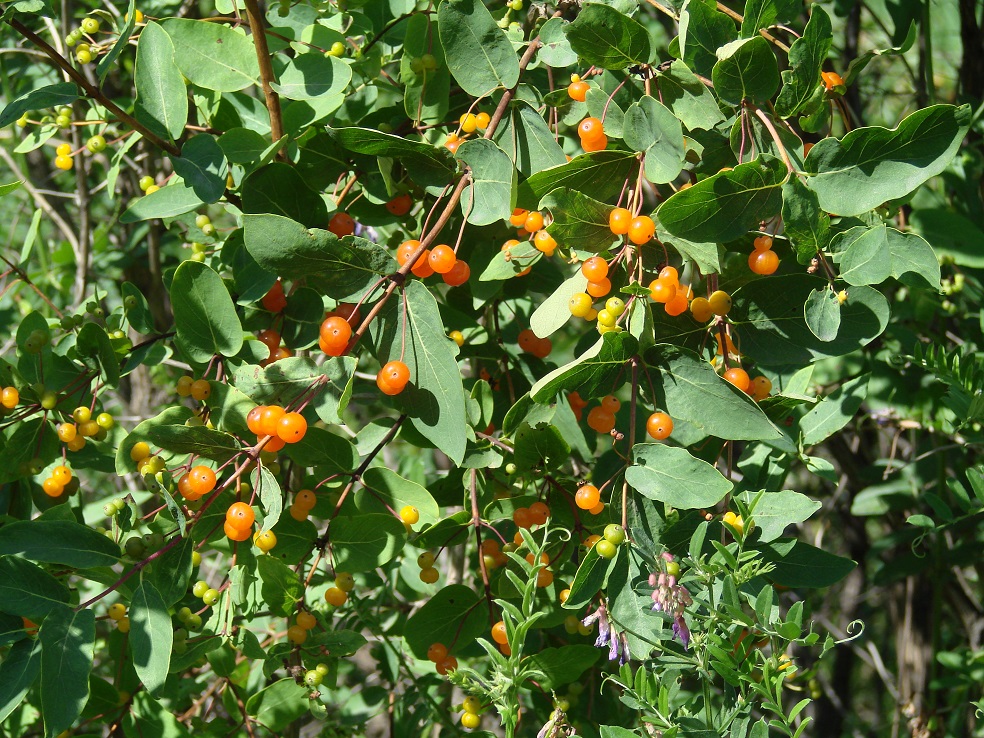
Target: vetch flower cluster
x,y
618,643
671,597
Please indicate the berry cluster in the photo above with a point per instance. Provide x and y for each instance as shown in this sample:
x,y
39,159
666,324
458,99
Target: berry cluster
x,y
337,595
280,426
54,485
428,573
467,123
592,134
393,377
533,344
438,654
302,505
763,260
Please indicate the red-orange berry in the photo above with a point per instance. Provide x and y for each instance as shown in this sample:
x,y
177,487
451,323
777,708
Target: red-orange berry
x,y
594,269
275,300
254,420
518,217
336,332
590,129
641,230
522,518
269,419
594,144
458,275
341,224
578,91
763,262
291,427
499,633
533,222
437,652
601,420
442,259
600,288
738,377
240,515
400,205
201,480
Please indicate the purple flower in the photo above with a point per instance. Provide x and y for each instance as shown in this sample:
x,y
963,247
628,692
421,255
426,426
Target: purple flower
x,y
681,631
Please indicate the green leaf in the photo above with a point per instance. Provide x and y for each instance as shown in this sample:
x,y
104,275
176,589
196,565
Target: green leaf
x,y
213,56
746,70
579,222
203,167
953,236
271,496
151,636
689,389
171,416
871,255
172,571
542,447
770,320
326,450
527,140
762,14
278,189
434,399
204,314
477,51
861,61
28,590
167,202
651,128
593,373
726,206
703,30
563,665
588,580
425,93
339,268
281,588
278,705
197,440
689,99
806,57
66,660
599,174
242,145
93,343
309,76
51,96
798,564
454,616
873,164
18,672
774,511
555,50
125,27
58,542
821,311
162,99
674,477
426,164
834,411
363,542
553,313
138,316
705,255
806,225
489,196
384,487
606,38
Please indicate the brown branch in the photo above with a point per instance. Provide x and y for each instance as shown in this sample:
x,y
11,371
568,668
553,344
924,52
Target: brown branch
x,y
266,71
477,523
90,89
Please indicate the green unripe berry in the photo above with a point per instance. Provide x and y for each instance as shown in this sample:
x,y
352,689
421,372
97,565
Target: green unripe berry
x,y
90,25
200,588
615,534
197,248
67,323
145,182
194,622
63,121
210,597
606,549
48,400
96,144
180,634
417,65
83,56
118,503
197,257
337,49
510,469
154,540
130,302
184,613
322,669
22,121
109,509
36,340
516,5
134,547
202,220
313,678
672,569
208,229
429,61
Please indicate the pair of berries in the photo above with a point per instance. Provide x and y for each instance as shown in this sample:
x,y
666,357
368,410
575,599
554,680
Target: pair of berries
x,y
335,334
530,221
282,427
577,89
527,517
592,133
640,229
602,417
438,654
718,303
667,290
63,157
198,389
501,638
428,573
533,344
588,497
763,260
392,379
55,484
196,483
303,504
595,270
470,122
341,224
471,711
607,546
759,387
338,595
148,185
239,521
608,316
208,595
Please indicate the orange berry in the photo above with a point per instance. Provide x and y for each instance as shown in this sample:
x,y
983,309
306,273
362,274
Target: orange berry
x,y
539,512
52,487
641,230
669,274
66,432
406,250
601,420
305,499
578,91
296,635
422,267
335,596
611,403
393,377
400,205
545,242
61,474
448,664
458,275
594,269
341,224
738,377
499,633
275,300
335,334
533,222
201,480
518,217
677,305
269,338
240,515
599,288
759,388
292,427
763,262
659,426
544,578
590,130
522,518
235,534
619,220
599,144
762,243
254,420
442,259
437,652
270,419
598,509
831,80
306,620
185,488
662,290
587,496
